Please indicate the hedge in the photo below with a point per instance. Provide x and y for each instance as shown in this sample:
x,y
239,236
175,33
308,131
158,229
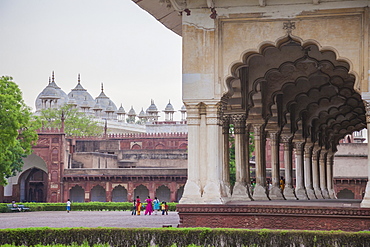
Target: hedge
x,y
163,237
81,206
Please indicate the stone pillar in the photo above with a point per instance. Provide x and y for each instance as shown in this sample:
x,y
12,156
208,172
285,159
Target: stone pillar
x,y
288,192
300,190
366,200
308,170
192,189
226,156
212,192
329,174
275,193
240,190
260,191
323,183
315,171
247,164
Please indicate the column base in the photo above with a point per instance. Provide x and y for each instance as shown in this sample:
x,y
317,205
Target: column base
x,y
311,194
289,193
260,193
192,194
301,194
318,193
276,194
225,189
212,193
240,192
325,193
366,201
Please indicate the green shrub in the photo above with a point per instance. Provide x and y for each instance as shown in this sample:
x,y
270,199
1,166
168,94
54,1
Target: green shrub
x,y
179,237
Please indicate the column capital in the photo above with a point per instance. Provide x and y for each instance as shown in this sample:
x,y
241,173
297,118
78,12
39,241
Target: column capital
x,y
274,136
225,122
258,130
323,154
239,123
299,146
308,147
286,138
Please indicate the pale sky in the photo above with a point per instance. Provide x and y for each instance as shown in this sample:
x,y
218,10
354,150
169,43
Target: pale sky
x,y
113,42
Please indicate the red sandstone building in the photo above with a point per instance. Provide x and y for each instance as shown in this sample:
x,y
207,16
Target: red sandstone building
x,y
115,168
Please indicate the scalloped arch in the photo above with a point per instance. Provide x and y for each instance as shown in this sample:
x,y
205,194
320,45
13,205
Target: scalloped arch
x,y
247,54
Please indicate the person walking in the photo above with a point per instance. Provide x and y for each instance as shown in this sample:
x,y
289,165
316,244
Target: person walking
x,y
133,212
68,205
138,205
156,205
149,206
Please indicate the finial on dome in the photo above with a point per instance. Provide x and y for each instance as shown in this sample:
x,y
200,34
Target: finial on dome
x,y
52,77
152,101
49,80
102,88
78,80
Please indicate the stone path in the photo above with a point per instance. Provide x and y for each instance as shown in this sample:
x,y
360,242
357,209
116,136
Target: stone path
x,y
85,219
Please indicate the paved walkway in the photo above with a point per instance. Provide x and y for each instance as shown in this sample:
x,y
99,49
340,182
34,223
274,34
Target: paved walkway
x,y
85,219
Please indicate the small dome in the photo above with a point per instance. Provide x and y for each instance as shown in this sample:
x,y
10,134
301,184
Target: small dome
x,y
105,101
109,108
82,97
142,113
97,106
131,112
183,108
49,93
169,107
61,96
152,108
121,110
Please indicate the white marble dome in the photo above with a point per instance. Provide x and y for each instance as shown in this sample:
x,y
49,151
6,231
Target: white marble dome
x,y
50,90
81,96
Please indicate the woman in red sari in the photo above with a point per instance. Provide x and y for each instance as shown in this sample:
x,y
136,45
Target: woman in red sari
x,y
149,206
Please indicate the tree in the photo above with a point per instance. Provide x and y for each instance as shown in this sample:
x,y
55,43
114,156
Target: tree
x,y
17,130
76,123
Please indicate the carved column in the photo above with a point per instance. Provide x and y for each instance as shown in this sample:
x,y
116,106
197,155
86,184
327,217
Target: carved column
x,y
329,174
260,191
240,190
300,190
315,171
288,192
192,189
322,162
275,193
366,200
212,192
226,156
308,170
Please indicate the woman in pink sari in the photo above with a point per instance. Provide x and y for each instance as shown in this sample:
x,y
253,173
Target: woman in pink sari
x,y
149,206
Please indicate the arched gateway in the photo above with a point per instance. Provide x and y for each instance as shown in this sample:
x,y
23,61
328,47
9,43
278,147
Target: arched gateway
x,y
294,73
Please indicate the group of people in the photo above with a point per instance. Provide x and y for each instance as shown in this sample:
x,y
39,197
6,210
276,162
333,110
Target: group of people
x,y
269,185
150,206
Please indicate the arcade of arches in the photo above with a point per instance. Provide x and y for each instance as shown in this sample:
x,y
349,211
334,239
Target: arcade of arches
x,y
298,98
120,194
